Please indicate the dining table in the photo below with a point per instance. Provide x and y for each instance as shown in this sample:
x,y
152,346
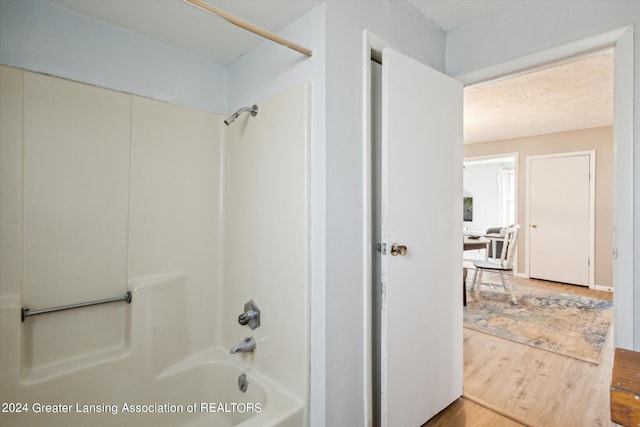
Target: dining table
x,y
472,243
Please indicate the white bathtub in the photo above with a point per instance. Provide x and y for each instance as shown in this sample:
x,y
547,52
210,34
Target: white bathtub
x,y
143,382
200,391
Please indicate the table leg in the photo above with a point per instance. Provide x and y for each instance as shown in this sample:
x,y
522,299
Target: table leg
x,y
464,286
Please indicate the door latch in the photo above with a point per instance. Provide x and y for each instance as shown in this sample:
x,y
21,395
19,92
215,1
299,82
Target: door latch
x,y
382,248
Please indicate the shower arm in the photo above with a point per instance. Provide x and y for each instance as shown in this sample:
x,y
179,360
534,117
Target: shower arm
x,y
253,110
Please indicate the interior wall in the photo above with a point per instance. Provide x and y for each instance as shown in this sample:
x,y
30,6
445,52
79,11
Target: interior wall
x,y
599,139
267,240
38,36
401,25
481,182
534,27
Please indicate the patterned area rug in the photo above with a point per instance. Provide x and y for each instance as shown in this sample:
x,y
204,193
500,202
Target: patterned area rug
x,y
574,326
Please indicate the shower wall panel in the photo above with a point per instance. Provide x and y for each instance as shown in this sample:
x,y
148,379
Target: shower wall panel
x,y
175,214
76,190
100,190
267,245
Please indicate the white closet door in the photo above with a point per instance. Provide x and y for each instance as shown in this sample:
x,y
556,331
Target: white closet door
x,y
421,319
559,218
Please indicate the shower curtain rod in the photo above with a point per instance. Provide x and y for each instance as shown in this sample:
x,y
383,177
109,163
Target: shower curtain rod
x,y
249,27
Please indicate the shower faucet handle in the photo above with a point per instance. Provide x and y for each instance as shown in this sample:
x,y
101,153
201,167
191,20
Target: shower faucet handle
x,y
251,315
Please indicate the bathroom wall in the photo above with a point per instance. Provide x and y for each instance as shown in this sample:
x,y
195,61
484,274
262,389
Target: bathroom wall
x,y
267,241
38,36
280,68
335,32
102,190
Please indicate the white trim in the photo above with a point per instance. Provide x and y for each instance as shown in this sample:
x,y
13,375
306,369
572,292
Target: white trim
x,y
367,242
543,59
592,207
490,157
622,38
603,288
625,314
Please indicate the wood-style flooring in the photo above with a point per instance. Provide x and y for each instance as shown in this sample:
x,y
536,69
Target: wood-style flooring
x,y
511,384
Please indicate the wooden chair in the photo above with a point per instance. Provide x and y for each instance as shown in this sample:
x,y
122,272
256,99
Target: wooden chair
x,y
505,264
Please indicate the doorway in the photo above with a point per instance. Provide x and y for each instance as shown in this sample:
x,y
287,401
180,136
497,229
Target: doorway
x,y
623,178
622,41
491,191
490,194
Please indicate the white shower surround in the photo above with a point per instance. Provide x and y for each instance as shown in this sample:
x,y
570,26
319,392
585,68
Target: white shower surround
x,y
129,378
171,344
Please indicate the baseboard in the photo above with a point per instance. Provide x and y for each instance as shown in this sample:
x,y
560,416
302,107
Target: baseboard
x,y
522,275
603,288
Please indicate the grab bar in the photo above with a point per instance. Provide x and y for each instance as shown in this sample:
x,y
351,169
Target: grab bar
x,y
28,313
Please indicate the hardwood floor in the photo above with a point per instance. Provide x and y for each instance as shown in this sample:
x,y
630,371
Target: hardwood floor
x,y
533,386
465,413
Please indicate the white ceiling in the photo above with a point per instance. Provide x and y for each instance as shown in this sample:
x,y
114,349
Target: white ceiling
x,y
178,24
571,97
187,28
451,14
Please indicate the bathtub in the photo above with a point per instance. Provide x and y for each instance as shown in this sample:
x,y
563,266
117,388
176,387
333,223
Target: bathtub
x,y
200,391
142,382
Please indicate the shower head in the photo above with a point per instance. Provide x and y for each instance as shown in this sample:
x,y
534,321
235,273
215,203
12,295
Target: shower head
x,y
253,110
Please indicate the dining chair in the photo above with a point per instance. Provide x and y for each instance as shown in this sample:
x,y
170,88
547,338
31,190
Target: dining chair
x,y
505,264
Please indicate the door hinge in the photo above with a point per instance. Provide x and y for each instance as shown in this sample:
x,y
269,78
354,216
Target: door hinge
x,y
589,262
382,248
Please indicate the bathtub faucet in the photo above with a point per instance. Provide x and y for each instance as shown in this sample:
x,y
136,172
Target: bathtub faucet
x,y
251,315
245,346
247,316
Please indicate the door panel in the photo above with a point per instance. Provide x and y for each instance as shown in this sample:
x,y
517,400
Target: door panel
x,y
559,214
421,321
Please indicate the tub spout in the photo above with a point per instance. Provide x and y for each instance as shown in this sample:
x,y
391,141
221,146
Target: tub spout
x,y
245,346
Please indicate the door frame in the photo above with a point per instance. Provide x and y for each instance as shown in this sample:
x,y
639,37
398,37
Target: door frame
x,y
370,42
592,208
625,309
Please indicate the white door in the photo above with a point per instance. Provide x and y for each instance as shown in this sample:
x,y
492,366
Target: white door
x,y
560,223
421,319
